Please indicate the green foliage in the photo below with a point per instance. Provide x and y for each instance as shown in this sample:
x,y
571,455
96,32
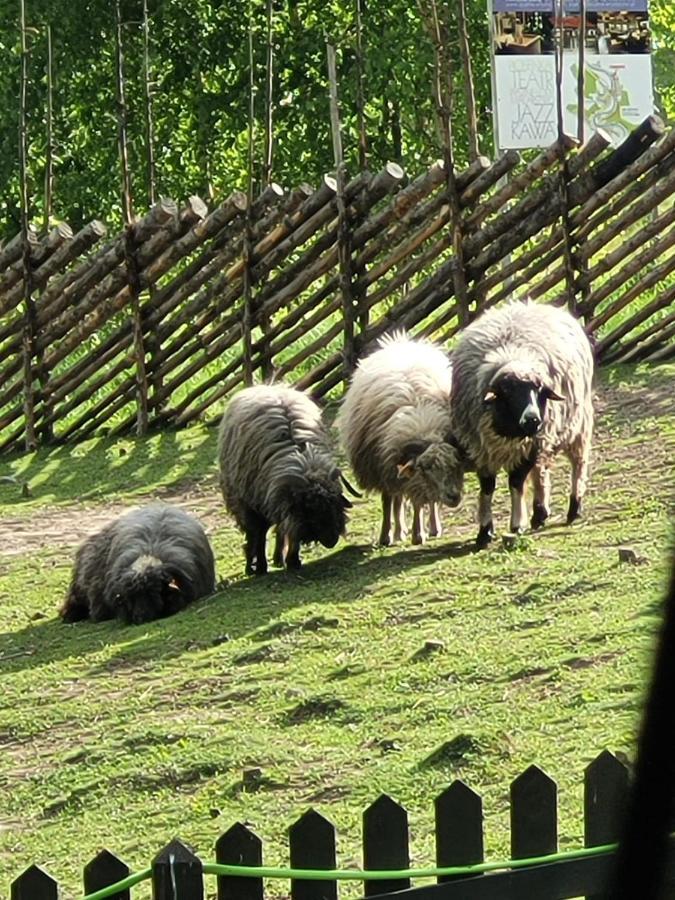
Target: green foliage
x,y
200,74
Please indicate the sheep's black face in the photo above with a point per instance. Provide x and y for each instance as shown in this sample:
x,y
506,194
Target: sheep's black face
x,y
321,517
518,407
152,595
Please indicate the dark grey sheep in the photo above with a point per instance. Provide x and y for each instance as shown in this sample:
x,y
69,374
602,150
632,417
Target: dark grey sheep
x,y
147,564
521,393
277,468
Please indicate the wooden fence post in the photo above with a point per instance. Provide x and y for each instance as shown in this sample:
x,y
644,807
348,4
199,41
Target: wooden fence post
x,y
177,873
239,846
534,814
134,282
459,828
385,844
343,233
312,846
104,870
605,798
34,884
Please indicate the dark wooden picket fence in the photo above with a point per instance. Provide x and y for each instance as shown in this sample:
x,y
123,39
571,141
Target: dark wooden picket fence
x,y
177,873
159,325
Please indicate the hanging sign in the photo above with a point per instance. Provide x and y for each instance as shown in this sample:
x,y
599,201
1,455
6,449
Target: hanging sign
x,y
617,69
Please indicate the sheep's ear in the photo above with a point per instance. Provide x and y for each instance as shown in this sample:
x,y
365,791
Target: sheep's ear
x,y
550,394
345,502
490,397
406,470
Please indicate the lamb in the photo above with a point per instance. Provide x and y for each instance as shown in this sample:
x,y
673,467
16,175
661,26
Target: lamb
x,y
277,468
521,393
394,426
149,563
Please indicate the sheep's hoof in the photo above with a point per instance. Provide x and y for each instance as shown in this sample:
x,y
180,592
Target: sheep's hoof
x,y
485,536
574,510
539,515
516,529
419,539
293,564
384,540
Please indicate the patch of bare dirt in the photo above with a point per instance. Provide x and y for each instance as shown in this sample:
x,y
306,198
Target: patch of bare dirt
x,y
67,526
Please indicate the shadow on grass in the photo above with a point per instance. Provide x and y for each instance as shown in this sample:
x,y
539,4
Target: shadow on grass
x,y
240,610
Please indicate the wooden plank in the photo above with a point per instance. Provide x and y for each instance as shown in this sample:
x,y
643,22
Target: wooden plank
x,y
177,872
103,870
34,884
312,846
534,814
385,844
239,846
605,797
459,828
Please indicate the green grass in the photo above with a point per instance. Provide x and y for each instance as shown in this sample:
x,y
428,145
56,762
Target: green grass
x,y
126,736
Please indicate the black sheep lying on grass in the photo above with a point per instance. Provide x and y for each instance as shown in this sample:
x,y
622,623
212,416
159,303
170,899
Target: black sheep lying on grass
x,y
148,564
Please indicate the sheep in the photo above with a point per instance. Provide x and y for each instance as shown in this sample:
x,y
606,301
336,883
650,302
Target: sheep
x,y
394,426
277,468
521,393
147,564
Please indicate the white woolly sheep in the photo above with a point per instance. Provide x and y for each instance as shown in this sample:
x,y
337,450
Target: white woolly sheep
x,y
276,468
147,564
522,392
394,425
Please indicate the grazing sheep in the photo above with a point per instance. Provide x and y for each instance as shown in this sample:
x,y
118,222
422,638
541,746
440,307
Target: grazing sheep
x,y
395,428
522,378
276,468
147,564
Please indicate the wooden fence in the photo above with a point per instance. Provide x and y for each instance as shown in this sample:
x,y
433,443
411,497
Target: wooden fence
x,y
158,325
458,836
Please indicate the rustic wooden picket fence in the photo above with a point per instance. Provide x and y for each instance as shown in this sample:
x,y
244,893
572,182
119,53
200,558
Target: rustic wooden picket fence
x,y
158,325
177,874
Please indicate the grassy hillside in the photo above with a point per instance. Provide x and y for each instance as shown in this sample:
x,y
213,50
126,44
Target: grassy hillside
x,y
125,736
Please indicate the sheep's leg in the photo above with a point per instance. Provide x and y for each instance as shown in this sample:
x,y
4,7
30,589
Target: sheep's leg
x,y
579,456
76,607
486,529
293,561
541,505
398,509
385,531
255,530
435,527
517,479
280,549
419,534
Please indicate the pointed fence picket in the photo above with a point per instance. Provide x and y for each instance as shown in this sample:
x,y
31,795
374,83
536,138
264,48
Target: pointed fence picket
x,y
177,873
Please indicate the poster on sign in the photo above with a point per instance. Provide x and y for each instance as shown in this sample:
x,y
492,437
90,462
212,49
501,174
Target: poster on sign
x,y
617,93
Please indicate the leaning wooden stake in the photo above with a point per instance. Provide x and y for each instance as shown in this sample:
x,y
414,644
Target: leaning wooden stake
x,y
49,153
568,249
467,69
269,88
131,263
581,75
29,310
127,207
147,97
247,312
343,235
443,96
360,92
